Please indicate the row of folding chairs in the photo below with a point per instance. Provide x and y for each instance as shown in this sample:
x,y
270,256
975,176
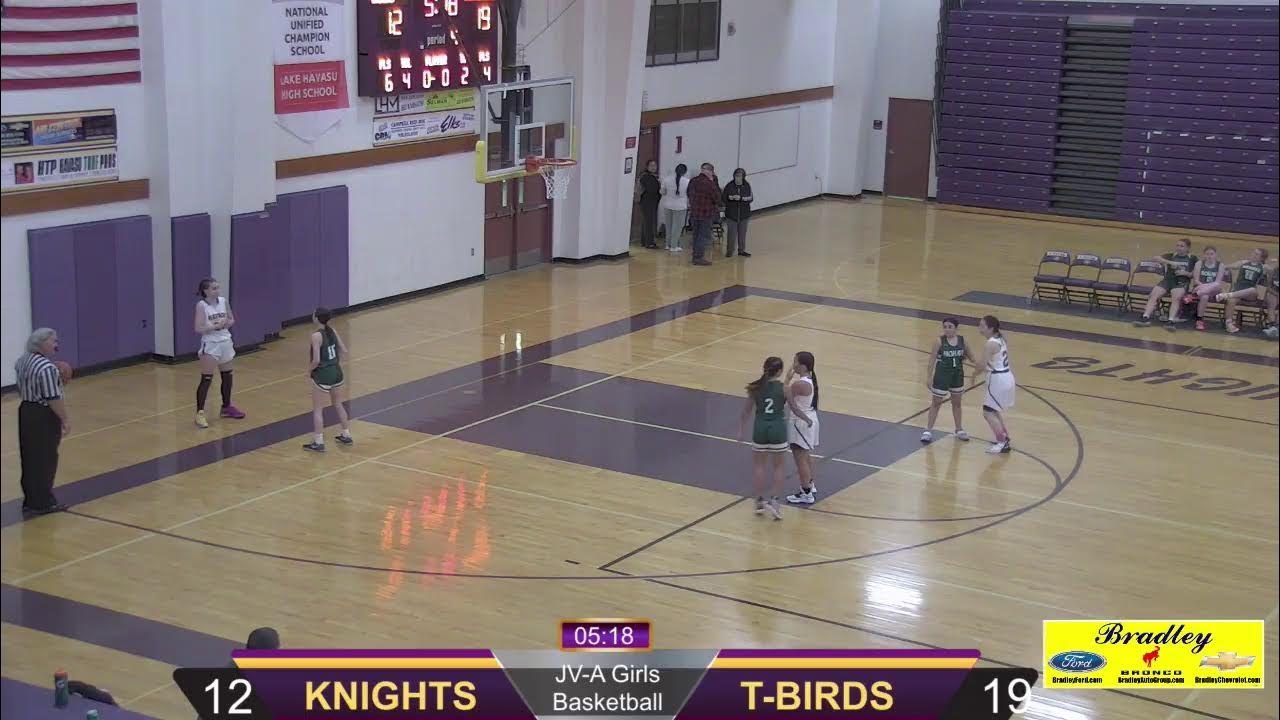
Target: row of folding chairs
x,y
1116,282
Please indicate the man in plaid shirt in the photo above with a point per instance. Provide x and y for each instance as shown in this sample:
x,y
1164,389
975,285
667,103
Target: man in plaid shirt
x,y
704,209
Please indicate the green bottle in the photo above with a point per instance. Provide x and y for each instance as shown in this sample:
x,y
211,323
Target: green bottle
x,y
61,691
91,715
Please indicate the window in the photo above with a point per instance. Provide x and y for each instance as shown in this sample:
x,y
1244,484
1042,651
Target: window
x,y
683,31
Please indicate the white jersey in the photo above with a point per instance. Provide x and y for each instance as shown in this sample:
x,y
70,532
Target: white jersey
x,y
1001,387
799,433
999,363
212,312
805,402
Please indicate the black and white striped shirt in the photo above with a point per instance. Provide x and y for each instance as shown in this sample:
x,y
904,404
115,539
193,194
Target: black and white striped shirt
x,y
38,379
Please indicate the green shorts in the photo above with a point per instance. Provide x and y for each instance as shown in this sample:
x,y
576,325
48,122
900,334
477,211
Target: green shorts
x,y
1170,283
948,381
769,437
328,378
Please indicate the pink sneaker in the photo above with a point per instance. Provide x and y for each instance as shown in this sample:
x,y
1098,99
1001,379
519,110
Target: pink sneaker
x,y
231,411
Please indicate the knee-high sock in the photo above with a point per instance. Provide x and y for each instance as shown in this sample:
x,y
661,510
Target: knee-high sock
x,y
202,390
226,388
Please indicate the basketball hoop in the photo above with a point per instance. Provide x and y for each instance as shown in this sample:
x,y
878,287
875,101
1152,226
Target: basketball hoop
x,y
557,173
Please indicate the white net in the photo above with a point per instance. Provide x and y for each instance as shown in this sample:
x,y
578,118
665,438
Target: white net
x,y
558,176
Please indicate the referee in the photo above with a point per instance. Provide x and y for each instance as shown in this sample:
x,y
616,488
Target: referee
x,y
42,421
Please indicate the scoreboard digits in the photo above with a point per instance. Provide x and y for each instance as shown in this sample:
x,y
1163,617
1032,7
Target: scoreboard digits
x,y
410,46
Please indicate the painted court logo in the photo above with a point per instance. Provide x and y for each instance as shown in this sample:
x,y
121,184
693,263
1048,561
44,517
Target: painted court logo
x,y
1132,654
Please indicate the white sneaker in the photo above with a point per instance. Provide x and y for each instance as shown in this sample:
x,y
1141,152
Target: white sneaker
x,y
774,509
962,435
996,448
676,248
926,437
759,506
801,497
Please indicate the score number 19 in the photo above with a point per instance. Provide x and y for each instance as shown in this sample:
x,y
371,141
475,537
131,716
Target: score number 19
x,y
1018,690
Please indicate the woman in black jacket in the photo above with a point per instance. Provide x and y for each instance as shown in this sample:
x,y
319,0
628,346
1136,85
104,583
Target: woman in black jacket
x,y
650,194
737,212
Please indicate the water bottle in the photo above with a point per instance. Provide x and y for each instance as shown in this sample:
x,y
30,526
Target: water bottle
x,y
61,691
91,715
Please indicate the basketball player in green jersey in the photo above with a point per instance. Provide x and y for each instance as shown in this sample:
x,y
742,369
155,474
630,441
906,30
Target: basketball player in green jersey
x,y
1250,284
944,376
767,401
327,349
1177,277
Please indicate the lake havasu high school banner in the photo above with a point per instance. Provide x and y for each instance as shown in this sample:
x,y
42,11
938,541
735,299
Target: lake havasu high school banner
x,y
310,69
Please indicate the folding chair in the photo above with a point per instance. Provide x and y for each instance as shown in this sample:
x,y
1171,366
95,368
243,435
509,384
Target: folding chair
x,y
1045,282
1113,281
1139,292
1082,274
1254,309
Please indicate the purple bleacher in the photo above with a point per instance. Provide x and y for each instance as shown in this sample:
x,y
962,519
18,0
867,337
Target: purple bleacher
x,y
994,177
994,201
999,125
1194,152
1017,47
1074,7
1004,72
1174,192
953,185
1007,112
1200,167
1206,27
995,150
1194,180
1204,97
1201,125
1000,85
1252,71
1200,55
1000,32
962,17
1188,207
981,57
1224,141
1206,222
1000,98
1221,42
1213,112
995,163
1200,84
996,138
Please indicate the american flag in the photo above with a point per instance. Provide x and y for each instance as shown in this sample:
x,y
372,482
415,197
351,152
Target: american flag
x,y
68,43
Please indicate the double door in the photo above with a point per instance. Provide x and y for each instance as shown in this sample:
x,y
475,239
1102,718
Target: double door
x,y
517,224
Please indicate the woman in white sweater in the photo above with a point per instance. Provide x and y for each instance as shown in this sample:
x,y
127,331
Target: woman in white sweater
x,y
675,205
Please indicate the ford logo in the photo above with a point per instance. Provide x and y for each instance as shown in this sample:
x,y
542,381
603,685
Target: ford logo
x,y
1077,661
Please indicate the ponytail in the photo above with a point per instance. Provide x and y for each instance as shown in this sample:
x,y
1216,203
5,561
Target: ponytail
x,y
772,366
805,358
681,169
323,316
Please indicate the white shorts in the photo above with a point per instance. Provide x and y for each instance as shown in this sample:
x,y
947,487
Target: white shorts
x,y
1000,391
223,351
801,435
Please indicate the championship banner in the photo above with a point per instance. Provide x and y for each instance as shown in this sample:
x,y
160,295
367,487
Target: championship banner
x,y
310,66
607,669
42,171
1153,654
426,126
57,131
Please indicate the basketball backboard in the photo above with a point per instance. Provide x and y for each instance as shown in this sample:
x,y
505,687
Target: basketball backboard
x,y
523,119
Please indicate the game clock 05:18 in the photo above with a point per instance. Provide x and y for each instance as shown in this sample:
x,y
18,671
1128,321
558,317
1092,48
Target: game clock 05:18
x,y
606,635
413,46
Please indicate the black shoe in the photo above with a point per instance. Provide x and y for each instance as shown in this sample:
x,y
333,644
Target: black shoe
x,y
700,261
743,253
1142,322
314,447
56,507
345,439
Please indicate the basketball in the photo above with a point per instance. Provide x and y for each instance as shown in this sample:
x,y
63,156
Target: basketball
x,y
64,369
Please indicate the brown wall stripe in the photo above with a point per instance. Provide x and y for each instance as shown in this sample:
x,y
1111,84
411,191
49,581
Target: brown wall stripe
x,y
725,107
38,201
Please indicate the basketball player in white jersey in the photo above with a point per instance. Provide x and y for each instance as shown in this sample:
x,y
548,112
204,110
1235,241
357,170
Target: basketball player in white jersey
x,y
213,322
802,423
1000,383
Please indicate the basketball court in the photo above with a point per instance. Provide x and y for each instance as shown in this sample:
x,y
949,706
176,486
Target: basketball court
x,y
560,442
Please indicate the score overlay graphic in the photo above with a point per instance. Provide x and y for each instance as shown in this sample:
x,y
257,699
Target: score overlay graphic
x,y
618,675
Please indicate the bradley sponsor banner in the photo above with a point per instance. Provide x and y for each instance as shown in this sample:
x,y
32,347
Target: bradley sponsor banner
x,y
310,66
424,126
463,99
57,131
40,171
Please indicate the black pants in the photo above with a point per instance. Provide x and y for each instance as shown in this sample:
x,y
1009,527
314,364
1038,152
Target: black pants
x,y
649,224
39,434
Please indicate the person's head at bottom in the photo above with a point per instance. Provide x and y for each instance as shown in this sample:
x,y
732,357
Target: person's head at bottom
x,y
264,638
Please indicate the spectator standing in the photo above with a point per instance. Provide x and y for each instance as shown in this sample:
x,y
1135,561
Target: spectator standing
x,y
650,196
704,209
737,212
42,421
675,205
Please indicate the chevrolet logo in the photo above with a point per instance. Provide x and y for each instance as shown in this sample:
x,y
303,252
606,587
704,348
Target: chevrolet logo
x,y
1227,661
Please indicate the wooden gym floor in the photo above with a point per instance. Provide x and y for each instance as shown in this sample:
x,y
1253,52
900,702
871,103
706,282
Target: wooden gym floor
x,y
557,442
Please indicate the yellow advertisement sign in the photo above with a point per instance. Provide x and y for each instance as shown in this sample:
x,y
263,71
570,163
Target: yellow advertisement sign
x,y
1153,654
449,100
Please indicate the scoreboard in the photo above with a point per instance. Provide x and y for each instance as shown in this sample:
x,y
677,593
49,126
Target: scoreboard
x,y
414,46
620,675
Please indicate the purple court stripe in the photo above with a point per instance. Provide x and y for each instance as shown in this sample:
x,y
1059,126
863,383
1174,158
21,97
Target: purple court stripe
x,y
1077,335
114,481
29,702
850,654
116,630
344,654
